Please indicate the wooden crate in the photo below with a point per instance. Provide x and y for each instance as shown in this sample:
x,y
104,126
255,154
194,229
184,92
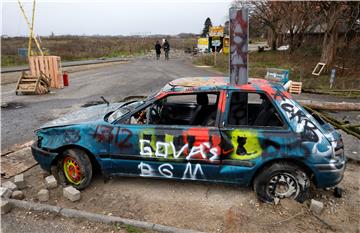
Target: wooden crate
x,y
50,66
295,87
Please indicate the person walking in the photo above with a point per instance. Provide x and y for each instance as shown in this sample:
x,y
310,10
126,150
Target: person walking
x,y
158,50
166,47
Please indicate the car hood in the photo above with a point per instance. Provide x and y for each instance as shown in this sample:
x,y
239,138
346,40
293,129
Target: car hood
x,y
92,113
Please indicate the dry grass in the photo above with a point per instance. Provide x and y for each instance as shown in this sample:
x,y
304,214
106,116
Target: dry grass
x,y
71,48
300,64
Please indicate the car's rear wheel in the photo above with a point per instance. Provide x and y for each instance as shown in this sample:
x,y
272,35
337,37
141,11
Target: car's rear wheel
x,y
281,180
75,167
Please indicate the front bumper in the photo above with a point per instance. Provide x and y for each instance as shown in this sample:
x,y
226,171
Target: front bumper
x,y
330,174
44,158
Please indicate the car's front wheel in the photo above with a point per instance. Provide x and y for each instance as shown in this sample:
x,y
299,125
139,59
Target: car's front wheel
x,y
75,166
281,180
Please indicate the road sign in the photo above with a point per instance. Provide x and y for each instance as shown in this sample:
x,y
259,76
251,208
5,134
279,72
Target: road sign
x,y
216,31
216,43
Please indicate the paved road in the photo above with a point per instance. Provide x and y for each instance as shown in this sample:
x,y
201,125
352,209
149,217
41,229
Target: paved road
x,y
140,77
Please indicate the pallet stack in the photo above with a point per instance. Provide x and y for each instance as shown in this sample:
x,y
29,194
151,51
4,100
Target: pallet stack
x,y
295,87
50,66
29,84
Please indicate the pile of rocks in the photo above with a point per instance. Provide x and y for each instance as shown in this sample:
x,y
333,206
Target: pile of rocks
x,y
12,190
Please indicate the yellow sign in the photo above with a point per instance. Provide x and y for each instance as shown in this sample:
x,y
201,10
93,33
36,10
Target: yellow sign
x,y
226,45
203,41
216,31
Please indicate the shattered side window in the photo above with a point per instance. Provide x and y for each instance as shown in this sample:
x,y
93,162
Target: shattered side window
x,y
253,109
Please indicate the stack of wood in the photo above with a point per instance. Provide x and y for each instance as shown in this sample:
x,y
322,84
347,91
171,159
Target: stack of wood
x,y
50,66
295,87
29,84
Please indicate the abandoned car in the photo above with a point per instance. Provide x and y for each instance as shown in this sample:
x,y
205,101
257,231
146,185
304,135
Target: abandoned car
x,y
199,129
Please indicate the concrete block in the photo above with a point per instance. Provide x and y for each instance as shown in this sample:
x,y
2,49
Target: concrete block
x,y
20,181
43,195
50,182
19,195
10,185
5,192
5,207
316,206
71,193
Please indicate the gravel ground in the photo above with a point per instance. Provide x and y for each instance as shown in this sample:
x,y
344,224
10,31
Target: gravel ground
x,y
202,206
23,221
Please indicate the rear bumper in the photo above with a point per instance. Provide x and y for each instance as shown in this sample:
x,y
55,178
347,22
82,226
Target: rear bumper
x,y
44,158
330,174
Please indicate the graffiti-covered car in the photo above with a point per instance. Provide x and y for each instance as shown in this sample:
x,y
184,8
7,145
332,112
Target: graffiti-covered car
x,y
199,129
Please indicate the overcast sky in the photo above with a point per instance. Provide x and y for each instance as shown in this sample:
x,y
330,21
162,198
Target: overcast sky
x,y
127,17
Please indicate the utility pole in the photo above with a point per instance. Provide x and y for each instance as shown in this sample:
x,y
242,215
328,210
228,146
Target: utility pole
x,y
239,36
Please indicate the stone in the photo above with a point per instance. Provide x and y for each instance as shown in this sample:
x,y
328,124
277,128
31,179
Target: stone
x,y
5,207
316,206
43,195
10,185
276,201
5,192
71,193
19,195
20,181
50,182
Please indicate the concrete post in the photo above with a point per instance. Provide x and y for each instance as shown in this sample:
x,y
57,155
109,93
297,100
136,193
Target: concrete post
x,y
239,36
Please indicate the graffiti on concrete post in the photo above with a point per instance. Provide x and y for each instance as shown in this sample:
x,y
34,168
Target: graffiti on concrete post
x,y
239,26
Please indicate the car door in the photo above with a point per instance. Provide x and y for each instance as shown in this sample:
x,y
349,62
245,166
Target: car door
x,y
167,149
253,131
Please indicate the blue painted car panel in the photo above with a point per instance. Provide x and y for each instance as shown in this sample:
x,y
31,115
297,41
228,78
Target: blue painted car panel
x,y
221,154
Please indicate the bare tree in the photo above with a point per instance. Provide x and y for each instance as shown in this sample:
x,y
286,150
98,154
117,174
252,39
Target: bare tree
x,y
265,13
298,18
269,14
336,14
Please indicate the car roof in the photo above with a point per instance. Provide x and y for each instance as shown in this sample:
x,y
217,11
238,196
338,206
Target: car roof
x,y
195,84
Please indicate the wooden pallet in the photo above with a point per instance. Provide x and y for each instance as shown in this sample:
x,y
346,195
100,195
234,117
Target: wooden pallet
x,y
295,87
50,66
29,84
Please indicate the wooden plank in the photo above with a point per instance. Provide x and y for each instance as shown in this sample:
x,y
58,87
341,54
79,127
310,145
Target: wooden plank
x,y
54,67
36,66
17,162
18,83
47,68
41,64
32,65
51,71
61,81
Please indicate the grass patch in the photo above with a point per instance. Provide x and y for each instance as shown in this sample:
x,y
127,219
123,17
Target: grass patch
x,y
222,62
12,60
132,229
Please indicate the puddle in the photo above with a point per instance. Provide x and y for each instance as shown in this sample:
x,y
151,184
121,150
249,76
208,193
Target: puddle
x,y
92,103
12,105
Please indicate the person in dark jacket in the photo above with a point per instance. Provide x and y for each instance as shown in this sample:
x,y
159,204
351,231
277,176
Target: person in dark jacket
x,y
158,50
166,47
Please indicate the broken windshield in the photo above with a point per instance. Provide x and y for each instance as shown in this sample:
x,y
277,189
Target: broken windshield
x,y
124,109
